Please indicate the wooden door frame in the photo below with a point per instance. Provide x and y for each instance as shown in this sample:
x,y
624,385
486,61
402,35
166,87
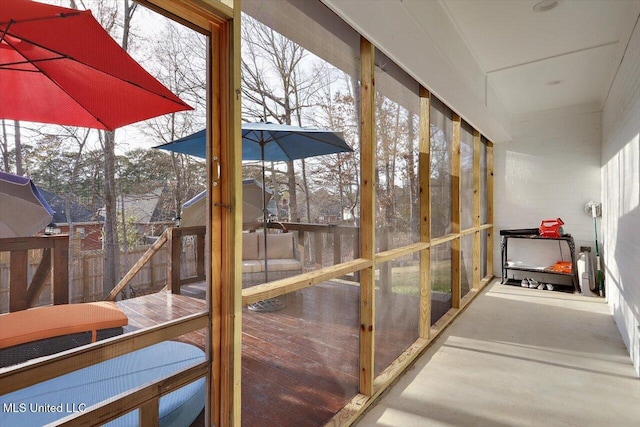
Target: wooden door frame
x,y
220,20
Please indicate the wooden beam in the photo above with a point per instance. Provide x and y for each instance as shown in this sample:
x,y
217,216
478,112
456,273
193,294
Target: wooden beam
x,y
318,249
144,397
391,254
200,256
301,281
337,246
424,169
25,243
142,261
60,272
196,14
227,317
39,278
445,320
444,239
174,255
149,413
398,366
18,264
490,208
456,192
468,231
367,213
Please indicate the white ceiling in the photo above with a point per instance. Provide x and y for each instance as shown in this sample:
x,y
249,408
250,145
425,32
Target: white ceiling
x,y
490,60
523,53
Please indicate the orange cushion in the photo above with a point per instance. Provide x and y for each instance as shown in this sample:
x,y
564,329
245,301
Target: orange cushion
x,y
56,320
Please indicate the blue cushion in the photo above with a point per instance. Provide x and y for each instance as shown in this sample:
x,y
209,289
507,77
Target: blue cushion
x,y
41,403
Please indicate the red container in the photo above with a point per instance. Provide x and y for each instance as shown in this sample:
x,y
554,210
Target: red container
x,y
551,228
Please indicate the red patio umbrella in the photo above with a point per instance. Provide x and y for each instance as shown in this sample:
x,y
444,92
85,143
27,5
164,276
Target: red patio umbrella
x,y
58,65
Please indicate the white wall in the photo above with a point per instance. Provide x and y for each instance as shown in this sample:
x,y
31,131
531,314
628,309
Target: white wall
x,y
621,197
549,170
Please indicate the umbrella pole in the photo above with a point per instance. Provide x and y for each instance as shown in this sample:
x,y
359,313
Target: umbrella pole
x,y
264,214
271,304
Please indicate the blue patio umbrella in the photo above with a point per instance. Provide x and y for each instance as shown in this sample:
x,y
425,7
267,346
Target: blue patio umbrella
x,y
269,142
193,145
273,142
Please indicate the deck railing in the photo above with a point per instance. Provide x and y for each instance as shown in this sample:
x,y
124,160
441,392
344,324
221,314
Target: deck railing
x,y
173,238
324,235
324,244
55,261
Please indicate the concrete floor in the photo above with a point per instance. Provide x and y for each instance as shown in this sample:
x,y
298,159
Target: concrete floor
x,y
519,357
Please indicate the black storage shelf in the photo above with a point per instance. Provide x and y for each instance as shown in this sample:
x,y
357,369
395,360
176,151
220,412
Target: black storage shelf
x,y
505,266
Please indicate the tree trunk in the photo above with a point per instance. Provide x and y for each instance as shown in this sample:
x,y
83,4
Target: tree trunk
x,y
110,242
293,199
5,147
19,168
275,187
306,190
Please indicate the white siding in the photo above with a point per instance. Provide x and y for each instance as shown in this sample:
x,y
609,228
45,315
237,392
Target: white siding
x,y
549,170
621,197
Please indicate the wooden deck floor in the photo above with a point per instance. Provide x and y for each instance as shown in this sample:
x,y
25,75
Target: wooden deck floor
x,y
153,309
299,364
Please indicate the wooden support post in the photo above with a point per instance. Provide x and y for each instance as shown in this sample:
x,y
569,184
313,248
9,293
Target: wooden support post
x,y
152,274
337,246
424,169
39,278
174,254
456,187
477,145
490,208
356,253
367,215
302,244
86,288
18,265
317,252
200,255
225,232
60,270
149,413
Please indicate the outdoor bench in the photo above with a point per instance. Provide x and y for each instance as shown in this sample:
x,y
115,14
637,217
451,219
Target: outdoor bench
x,y
283,257
42,331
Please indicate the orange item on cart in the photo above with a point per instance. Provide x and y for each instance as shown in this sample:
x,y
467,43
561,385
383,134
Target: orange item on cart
x,y
563,267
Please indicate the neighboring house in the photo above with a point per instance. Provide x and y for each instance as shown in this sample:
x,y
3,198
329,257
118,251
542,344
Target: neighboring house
x,y
330,207
87,224
144,212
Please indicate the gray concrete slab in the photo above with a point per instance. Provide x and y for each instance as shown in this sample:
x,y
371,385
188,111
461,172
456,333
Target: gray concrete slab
x,y
519,357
